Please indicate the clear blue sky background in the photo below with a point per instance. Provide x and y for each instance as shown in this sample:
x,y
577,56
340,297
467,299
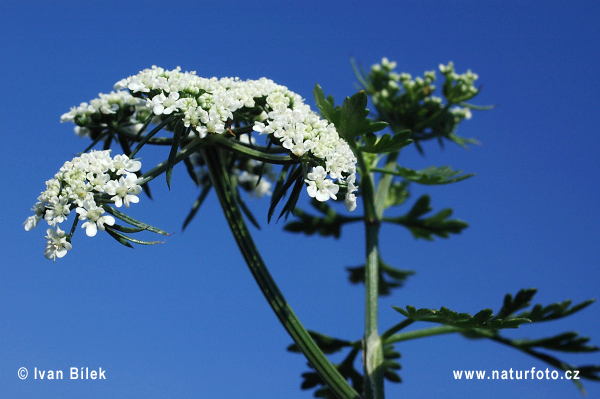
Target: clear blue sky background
x,y
185,319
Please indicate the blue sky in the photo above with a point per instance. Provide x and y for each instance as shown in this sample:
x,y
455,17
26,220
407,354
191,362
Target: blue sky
x,y
185,318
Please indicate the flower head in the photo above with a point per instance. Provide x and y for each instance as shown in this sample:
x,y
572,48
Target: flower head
x,y
212,106
76,186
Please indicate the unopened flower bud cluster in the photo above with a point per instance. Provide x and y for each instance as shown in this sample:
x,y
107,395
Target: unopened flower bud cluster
x,y
392,91
461,87
214,105
74,186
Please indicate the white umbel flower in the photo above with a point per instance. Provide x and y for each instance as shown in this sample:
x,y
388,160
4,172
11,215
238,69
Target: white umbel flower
x,y
74,186
124,191
319,186
211,106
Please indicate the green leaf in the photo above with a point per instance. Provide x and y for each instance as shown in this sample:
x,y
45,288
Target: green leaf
x,y
152,133
346,369
463,141
116,234
120,239
477,107
177,137
389,277
397,194
520,301
555,310
290,204
286,179
246,210
484,319
326,106
132,221
565,342
196,206
353,119
125,229
485,325
386,143
439,224
431,175
330,224
326,343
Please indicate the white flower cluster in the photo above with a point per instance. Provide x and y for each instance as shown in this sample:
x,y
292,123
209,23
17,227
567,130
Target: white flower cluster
x,y
106,104
301,131
213,105
74,187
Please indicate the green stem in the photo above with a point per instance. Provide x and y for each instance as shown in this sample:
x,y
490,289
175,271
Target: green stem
x,y
258,155
398,327
426,332
372,341
163,166
224,188
372,347
385,183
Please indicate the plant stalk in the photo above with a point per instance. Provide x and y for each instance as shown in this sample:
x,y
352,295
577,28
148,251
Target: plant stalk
x,y
225,191
372,345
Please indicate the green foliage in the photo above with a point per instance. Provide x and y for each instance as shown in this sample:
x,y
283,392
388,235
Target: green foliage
x,y
483,319
290,176
330,224
326,343
389,277
329,345
386,143
397,194
117,231
196,205
407,103
437,225
485,325
429,176
327,106
350,119
347,367
179,133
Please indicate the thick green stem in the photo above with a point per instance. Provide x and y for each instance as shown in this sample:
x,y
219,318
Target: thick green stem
x,y
372,347
291,323
372,341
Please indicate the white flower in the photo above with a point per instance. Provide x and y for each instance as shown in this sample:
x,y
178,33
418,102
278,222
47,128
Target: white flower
x,y
209,106
57,244
95,217
57,210
74,186
156,103
122,164
350,200
32,221
124,191
319,187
